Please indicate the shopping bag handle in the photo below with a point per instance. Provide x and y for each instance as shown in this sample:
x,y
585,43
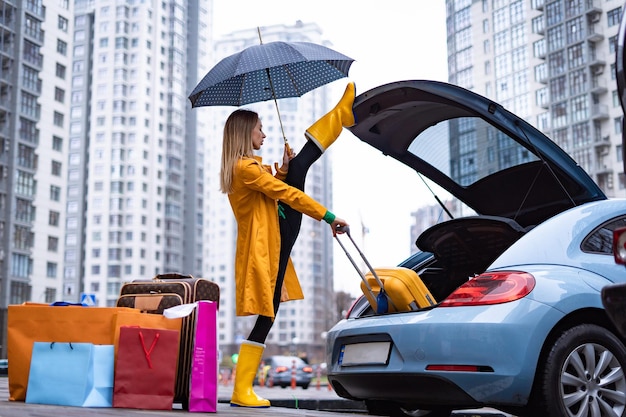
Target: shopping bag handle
x,y
147,352
65,303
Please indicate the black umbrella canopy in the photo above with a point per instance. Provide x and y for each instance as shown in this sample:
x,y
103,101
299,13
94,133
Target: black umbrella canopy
x,y
269,71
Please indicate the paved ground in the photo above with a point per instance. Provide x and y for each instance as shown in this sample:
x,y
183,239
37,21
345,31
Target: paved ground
x,y
286,402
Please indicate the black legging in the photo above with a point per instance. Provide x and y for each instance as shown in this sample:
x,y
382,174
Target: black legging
x,y
289,229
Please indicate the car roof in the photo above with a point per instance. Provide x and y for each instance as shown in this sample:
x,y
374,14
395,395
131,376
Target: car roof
x,y
490,159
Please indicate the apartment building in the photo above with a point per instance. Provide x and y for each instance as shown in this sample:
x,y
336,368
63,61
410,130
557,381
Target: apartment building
x,y
135,167
35,63
551,62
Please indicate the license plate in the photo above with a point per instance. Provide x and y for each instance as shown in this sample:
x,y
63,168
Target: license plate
x,y
371,353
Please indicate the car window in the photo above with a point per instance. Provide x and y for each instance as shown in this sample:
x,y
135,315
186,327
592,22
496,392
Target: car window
x,y
468,149
601,239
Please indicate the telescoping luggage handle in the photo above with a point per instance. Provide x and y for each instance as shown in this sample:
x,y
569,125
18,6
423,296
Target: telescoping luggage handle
x,y
382,300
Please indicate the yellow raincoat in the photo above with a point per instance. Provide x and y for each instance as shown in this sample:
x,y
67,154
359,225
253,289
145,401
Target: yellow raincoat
x,y
254,200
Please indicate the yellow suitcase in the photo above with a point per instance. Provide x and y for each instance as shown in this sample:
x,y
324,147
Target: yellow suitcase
x,y
390,289
405,289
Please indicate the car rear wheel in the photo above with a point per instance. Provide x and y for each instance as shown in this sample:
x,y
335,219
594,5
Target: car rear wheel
x,y
584,374
388,408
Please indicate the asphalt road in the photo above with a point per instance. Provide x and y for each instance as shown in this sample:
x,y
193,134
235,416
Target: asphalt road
x,y
286,402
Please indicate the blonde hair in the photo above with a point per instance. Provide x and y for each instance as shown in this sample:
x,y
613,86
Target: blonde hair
x,y
237,144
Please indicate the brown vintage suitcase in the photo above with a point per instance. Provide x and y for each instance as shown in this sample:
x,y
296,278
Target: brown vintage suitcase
x,y
168,290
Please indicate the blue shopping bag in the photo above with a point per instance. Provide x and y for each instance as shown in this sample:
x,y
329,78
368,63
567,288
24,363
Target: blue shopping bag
x,y
73,374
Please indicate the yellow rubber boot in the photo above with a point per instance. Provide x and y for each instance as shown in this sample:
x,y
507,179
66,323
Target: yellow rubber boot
x,y
327,129
250,354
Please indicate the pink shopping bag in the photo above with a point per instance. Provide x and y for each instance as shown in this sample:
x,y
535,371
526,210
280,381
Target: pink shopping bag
x,y
203,383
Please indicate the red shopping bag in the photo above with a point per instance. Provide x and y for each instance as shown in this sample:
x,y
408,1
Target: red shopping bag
x,y
145,368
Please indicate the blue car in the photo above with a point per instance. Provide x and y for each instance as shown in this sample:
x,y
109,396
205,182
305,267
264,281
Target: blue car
x,y
516,269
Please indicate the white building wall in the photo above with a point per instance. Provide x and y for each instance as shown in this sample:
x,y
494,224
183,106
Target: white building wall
x,y
49,240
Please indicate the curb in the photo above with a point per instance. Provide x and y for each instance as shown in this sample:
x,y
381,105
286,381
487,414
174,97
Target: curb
x,y
312,404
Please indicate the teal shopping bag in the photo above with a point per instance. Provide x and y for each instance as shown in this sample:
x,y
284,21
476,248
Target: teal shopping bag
x,y
73,374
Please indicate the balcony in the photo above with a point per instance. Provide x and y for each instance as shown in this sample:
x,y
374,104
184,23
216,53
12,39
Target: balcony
x,y
595,33
35,8
5,95
35,34
540,49
598,85
596,62
34,59
8,17
541,73
593,8
543,98
599,112
538,25
602,144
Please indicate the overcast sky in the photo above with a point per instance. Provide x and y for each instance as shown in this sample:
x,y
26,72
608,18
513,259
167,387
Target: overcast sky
x,y
390,41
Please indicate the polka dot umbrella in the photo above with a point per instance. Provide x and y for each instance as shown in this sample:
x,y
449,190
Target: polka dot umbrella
x,y
268,72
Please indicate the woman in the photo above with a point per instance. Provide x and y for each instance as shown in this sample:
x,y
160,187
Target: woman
x,y
264,274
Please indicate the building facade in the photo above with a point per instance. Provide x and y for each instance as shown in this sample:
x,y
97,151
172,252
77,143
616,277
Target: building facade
x,y
135,167
299,325
552,63
34,92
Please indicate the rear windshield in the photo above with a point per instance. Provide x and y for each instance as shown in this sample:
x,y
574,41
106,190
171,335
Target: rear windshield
x,y
287,360
468,149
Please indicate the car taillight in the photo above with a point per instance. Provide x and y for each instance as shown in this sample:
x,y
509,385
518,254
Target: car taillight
x,y
619,245
280,369
307,369
491,288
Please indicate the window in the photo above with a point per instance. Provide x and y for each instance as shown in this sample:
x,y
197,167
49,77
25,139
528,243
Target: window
x,y
59,94
55,193
56,168
600,241
58,119
62,23
24,210
57,143
614,16
612,44
53,218
29,105
575,56
51,270
53,243
60,71
50,295
25,183
61,47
